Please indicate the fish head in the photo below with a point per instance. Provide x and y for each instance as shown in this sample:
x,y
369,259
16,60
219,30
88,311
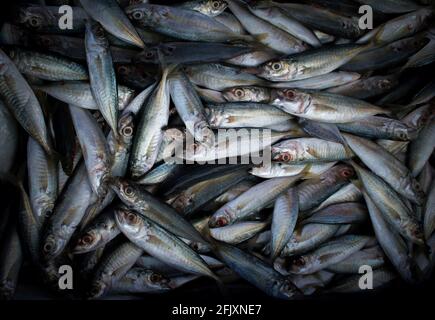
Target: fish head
x,y
154,280
287,151
293,101
278,70
297,264
126,127
96,31
403,132
52,246
32,18
341,172
413,230
221,218
87,242
284,289
244,94
125,190
98,289
147,14
148,55
211,8
129,221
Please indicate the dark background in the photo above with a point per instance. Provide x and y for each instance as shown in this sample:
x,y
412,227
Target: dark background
x,y
399,299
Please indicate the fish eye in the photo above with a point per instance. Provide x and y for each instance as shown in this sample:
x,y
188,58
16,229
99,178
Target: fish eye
x,y
137,15
127,131
403,135
48,247
222,221
34,22
239,93
131,218
276,66
216,4
128,191
155,278
123,70
299,261
347,173
289,94
99,32
149,54
87,239
417,186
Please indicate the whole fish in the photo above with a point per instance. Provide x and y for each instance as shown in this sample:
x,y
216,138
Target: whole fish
x,y
161,244
392,207
256,271
149,130
43,183
190,108
324,107
95,149
270,35
69,210
285,216
182,23
47,66
250,201
113,19
328,254
386,166
137,198
79,94
22,103
102,74
309,64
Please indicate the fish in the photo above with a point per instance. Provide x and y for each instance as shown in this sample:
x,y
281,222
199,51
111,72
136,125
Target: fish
x,y
328,254
250,201
9,139
393,209
285,216
161,244
309,64
387,167
95,149
47,66
257,272
182,23
102,74
421,148
190,108
22,103
138,280
137,198
113,19
270,35
373,257
79,94
149,135
324,107
340,213
238,232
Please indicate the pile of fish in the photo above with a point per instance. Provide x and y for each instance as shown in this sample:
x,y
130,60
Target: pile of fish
x,y
93,110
